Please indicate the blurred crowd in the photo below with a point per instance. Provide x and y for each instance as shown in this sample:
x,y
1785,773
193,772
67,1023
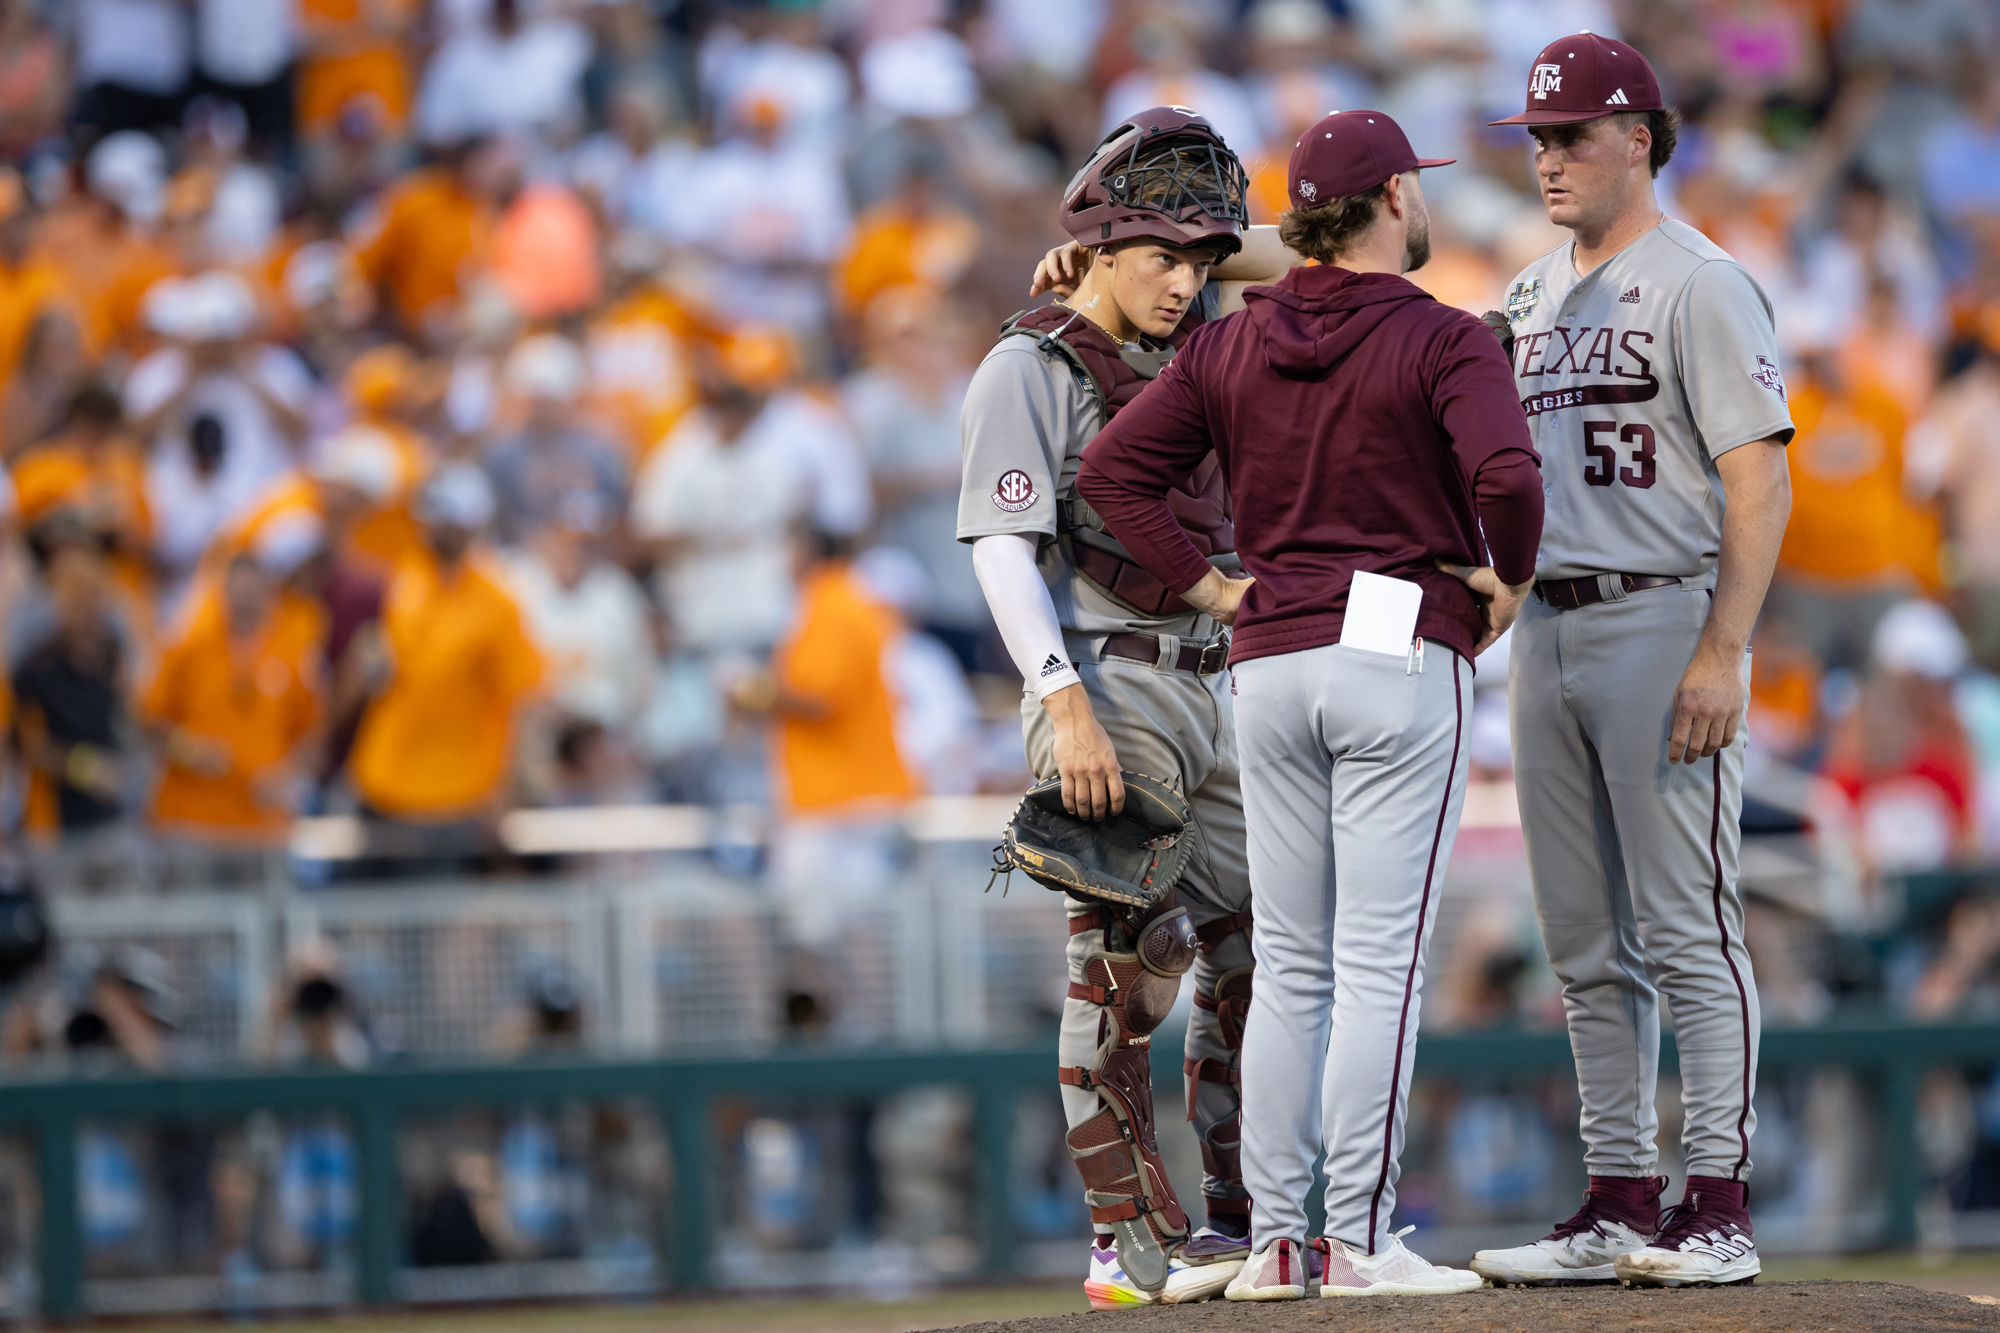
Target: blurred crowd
x,y
422,408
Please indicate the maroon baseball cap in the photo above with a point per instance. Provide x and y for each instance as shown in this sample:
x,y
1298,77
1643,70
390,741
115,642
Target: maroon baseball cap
x,y
1584,77
1348,152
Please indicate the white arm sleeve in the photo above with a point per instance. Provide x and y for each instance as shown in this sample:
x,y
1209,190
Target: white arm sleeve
x,y
1005,564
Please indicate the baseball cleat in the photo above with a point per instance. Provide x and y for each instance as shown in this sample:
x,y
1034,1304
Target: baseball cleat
x,y
1204,1266
1108,1287
1396,1271
1580,1251
1275,1273
1696,1247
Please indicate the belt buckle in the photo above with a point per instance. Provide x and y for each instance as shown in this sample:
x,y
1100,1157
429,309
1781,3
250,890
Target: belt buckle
x,y
1214,658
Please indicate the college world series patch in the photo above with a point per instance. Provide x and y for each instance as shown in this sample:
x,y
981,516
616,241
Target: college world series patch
x,y
1521,301
1015,492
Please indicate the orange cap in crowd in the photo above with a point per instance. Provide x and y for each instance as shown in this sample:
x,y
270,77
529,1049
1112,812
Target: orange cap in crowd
x,y
380,379
758,357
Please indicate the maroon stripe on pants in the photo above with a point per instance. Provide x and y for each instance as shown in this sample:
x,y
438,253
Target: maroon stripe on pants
x,y
1416,953
1742,995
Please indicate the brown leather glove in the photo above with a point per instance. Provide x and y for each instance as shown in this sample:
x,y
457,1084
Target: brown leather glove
x,y
1502,330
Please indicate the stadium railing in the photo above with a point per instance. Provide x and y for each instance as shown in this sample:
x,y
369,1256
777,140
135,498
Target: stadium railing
x,y
1893,1059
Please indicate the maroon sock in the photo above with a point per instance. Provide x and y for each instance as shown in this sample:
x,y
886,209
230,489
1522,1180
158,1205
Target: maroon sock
x,y
1726,1199
1633,1200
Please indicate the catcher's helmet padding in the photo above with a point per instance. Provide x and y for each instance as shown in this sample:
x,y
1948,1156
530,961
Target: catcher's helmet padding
x,y
1164,175
1134,857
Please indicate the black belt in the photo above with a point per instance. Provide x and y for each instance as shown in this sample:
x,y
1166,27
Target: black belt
x,y
1569,594
1202,659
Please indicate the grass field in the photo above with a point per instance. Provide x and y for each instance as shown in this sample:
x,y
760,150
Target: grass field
x,y
1966,1274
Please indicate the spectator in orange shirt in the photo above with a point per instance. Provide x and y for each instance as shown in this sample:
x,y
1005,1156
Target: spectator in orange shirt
x,y
102,245
235,705
842,779
29,284
910,238
434,229
93,469
357,64
1846,553
436,742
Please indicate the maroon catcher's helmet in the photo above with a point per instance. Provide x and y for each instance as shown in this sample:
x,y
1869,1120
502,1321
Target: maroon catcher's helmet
x,y
1164,175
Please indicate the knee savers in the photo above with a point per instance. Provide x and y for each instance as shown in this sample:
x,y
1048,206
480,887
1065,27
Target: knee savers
x,y
1136,977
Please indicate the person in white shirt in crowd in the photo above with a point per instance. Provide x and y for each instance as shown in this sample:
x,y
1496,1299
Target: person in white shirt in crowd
x,y
777,53
718,499
243,52
1296,72
685,719
514,69
939,733
223,413
905,407
1871,238
247,208
555,453
773,214
132,62
1171,73
587,615
636,167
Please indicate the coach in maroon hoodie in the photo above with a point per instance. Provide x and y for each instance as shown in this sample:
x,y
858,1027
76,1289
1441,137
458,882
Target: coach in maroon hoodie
x,y
1388,504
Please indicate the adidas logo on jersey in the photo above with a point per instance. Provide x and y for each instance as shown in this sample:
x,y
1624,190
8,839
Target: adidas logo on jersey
x,y
1618,99
1630,298
1053,666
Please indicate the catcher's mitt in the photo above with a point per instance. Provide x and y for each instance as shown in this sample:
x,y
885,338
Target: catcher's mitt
x,y
1133,857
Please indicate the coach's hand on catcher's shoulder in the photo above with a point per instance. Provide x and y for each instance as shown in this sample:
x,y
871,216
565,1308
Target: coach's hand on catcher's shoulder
x,y
1061,270
1088,765
1500,601
1707,705
1218,596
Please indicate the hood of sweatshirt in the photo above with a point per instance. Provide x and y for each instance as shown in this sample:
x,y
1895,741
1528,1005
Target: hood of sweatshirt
x,y
1313,317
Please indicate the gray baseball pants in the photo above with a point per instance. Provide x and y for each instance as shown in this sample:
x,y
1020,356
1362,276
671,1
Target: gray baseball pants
x,y
1634,864
1178,727
1353,779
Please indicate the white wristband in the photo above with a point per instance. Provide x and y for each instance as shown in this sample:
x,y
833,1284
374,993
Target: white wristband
x,y
1023,612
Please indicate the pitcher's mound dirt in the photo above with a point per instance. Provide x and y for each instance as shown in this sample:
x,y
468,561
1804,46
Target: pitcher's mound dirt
x,y
1804,1307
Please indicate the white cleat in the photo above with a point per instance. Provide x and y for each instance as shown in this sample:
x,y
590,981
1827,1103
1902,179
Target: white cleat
x,y
1395,1271
1692,1250
1580,1250
1108,1287
1275,1273
1189,1281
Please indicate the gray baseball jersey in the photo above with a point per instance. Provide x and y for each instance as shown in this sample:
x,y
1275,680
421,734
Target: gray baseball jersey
x,y
1636,378
1022,433
1021,440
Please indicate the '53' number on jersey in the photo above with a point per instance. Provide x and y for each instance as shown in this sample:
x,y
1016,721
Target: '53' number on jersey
x,y
1602,464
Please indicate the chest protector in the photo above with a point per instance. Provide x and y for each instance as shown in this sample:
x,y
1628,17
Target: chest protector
x,y
1113,376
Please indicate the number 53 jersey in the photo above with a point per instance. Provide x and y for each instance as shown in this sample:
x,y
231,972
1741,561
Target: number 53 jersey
x,y
1635,379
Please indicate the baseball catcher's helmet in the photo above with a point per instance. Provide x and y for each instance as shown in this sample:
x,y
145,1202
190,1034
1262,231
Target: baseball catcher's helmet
x,y
1164,175
1133,857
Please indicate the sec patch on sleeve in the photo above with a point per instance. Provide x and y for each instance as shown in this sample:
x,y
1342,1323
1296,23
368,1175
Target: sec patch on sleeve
x,y
1015,492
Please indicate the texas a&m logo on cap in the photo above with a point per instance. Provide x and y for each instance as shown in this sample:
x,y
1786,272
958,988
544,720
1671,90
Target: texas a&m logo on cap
x,y
1308,190
1545,80
1015,492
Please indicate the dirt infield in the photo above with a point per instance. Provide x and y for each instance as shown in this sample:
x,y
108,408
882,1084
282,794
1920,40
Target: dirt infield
x,y
1794,1307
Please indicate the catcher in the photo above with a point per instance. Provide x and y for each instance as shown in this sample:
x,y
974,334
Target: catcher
x,y
1123,675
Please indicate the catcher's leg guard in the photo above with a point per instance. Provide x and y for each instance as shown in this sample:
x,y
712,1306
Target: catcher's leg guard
x,y
1222,1010
1135,977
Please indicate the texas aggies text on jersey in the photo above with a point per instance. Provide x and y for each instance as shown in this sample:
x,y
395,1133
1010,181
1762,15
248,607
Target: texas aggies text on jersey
x,y
1635,378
